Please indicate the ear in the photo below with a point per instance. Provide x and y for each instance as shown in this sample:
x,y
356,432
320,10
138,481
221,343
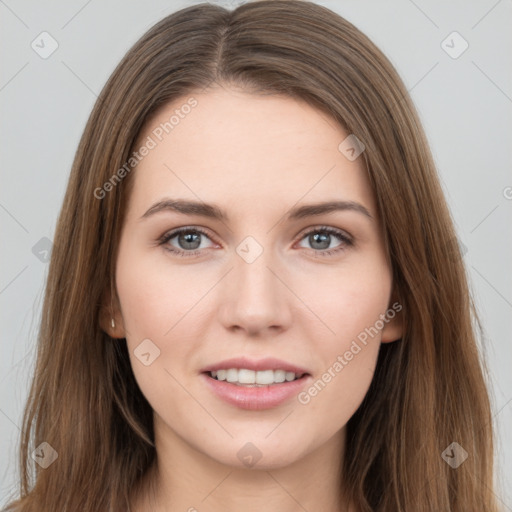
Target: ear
x,y
109,310
393,324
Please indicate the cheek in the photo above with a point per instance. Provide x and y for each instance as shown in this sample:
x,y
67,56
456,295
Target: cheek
x,y
348,360
157,304
346,300
155,297
348,304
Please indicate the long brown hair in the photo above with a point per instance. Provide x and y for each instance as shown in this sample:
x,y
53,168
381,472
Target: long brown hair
x,y
429,388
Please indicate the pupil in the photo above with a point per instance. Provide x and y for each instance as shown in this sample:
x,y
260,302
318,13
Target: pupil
x,y
323,239
186,240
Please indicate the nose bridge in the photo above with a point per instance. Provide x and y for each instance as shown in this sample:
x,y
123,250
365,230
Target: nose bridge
x,y
255,300
252,275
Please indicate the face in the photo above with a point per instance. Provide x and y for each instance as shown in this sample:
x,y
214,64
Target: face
x,y
271,283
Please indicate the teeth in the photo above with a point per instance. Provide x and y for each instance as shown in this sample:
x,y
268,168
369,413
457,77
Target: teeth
x,y
243,376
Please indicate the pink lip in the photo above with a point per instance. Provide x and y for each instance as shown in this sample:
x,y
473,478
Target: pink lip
x,y
255,398
268,363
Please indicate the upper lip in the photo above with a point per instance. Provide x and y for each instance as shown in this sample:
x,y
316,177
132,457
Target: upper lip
x,y
268,363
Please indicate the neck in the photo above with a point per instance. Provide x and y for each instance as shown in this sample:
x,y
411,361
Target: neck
x,y
185,479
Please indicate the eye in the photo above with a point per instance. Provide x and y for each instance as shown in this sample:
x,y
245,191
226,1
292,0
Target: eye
x,y
187,239
320,239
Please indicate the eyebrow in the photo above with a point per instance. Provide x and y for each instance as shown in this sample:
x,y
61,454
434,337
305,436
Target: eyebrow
x,y
212,211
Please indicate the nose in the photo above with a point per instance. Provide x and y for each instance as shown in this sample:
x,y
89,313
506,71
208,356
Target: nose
x,y
255,298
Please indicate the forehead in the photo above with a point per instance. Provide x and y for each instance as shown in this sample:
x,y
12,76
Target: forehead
x,y
229,146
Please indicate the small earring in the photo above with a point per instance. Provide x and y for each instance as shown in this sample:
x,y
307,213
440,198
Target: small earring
x,y
113,324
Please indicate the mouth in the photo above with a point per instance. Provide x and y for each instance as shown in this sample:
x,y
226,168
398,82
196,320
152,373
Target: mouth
x,y
255,390
255,384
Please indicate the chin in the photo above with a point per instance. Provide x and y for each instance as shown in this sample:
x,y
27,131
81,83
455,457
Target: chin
x,y
255,452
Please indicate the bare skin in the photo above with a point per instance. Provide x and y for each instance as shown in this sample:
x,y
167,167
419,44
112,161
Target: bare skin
x,y
256,158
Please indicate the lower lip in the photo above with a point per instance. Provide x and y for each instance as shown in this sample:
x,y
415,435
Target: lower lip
x,y
256,398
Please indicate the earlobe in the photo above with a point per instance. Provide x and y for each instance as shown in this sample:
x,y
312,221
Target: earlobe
x,y
394,320
393,329
111,320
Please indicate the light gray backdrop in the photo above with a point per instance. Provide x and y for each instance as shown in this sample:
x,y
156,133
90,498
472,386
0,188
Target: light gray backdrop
x,y
464,96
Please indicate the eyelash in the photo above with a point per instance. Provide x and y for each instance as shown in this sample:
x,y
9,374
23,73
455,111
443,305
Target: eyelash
x,y
345,239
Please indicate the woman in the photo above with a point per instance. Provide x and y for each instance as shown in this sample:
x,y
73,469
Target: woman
x,y
198,349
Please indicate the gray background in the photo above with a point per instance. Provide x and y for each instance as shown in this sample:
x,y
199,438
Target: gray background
x,y
464,102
